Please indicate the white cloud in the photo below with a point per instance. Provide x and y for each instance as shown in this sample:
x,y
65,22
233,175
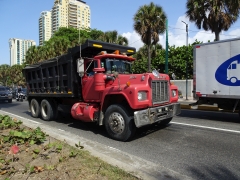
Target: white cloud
x,y
133,39
232,34
177,35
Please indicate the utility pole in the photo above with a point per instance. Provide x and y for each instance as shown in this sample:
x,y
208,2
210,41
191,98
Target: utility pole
x,y
166,57
186,61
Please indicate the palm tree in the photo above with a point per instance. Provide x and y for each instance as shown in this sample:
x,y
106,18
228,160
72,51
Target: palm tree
x,y
214,15
16,75
149,22
121,40
61,45
113,37
32,55
4,74
109,36
142,53
49,47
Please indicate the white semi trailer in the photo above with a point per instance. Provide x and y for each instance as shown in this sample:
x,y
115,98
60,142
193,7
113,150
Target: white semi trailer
x,y
216,74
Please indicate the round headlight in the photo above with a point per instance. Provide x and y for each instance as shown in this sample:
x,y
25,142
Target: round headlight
x,y
174,93
140,96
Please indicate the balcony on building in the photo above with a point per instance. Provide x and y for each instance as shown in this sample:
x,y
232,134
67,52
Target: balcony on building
x,y
71,5
72,17
54,19
72,8
72,24
72,11
73,21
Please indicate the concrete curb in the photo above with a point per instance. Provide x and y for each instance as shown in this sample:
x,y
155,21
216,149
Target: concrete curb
x,y
205,108
137,166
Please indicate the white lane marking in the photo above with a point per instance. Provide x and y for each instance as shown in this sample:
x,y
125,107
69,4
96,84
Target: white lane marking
x,y
20,117
205,127
61,130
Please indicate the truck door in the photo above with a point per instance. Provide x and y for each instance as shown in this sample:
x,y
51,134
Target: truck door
x,y
88,84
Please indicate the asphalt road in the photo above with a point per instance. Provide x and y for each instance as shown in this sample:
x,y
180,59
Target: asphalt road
x,y
197,144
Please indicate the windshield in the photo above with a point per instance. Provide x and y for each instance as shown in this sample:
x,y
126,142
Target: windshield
x,y
116,65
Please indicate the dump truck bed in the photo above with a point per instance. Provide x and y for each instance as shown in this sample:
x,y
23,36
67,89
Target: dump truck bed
x,y
58,77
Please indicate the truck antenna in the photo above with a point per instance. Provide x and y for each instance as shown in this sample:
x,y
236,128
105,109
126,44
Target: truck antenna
x,y
79,42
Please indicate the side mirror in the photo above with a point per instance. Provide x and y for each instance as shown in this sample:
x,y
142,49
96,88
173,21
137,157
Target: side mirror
x,y
80,67
173,76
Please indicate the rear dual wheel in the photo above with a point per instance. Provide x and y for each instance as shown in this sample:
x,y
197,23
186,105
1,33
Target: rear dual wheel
x,y
34,108
48,110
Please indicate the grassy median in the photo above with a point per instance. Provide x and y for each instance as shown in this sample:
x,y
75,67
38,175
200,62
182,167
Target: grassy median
x,y
31,154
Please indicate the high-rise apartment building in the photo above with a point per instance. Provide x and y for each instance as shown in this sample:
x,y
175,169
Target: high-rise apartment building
x,y
70,13
18,49
45,26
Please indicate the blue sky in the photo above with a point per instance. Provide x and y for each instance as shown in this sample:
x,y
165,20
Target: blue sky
x,y
19,19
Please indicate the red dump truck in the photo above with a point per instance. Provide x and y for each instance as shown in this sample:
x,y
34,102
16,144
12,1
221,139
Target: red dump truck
x,y
94,83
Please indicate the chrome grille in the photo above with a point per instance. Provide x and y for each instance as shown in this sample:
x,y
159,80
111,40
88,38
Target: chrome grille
x,y
160,92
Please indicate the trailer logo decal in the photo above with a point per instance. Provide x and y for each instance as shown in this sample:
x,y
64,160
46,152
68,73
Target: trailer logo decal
x,y
228,73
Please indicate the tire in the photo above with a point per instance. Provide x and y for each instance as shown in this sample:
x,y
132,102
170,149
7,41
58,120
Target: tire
x,y
34,108
48,110
10,100
165,121
118,124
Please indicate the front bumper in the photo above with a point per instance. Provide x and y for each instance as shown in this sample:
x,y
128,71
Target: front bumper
x,y
3,98
155,114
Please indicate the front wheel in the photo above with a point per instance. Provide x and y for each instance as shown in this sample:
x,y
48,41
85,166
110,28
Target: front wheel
x,y
119,125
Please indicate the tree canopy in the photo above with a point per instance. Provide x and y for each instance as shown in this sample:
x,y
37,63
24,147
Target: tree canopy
x,y
177,57
10,75
214,15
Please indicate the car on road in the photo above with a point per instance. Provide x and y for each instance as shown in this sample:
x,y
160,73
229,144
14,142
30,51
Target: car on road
x,y
5,94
